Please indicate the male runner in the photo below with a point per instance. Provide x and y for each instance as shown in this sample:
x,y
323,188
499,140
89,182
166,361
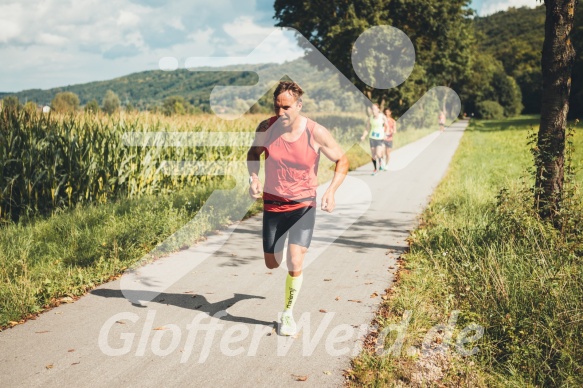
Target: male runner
x,y
292,144
388,141
377,125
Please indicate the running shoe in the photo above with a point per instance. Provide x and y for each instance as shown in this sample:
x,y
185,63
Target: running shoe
x,y
374,172
287,325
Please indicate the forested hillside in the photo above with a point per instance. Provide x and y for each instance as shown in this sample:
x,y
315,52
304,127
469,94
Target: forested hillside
x,y
515,38
150,89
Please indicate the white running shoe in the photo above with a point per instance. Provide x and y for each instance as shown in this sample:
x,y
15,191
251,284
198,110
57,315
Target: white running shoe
x,y
287,325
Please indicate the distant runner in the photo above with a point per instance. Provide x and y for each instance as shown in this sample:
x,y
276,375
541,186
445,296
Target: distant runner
x,y
388,141
377,125
441,121
292,144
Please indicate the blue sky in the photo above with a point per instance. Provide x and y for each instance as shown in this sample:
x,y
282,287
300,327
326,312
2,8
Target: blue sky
x,y
487,7
49,43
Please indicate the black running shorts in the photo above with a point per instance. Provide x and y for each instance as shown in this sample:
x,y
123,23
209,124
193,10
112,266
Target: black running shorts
x,y
388,143
298,224
375,143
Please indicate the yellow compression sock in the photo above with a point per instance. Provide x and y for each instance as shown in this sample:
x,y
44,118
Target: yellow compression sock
x,y
292,288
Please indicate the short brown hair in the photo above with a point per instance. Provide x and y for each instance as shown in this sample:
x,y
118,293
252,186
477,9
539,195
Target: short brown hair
x,y
289,86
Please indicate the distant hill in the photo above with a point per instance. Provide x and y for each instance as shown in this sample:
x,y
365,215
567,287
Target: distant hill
x,y
503,29
149,88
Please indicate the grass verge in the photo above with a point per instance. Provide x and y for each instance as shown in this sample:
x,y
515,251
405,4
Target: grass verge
x,y
481,257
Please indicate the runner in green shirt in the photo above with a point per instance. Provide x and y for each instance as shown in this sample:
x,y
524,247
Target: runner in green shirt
x,y
377,125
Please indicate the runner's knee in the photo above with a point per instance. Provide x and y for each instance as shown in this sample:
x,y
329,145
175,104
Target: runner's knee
x,y
295,258
271,261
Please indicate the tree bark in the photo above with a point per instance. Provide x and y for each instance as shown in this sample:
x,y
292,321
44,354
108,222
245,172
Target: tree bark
x,y
557,61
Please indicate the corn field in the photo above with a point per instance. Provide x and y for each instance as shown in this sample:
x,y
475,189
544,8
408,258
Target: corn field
x,y
50,162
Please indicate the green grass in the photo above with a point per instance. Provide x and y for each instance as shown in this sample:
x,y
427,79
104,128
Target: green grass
x,y
482,250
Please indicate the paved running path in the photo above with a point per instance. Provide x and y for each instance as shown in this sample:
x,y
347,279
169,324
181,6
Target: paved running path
x,y
104,340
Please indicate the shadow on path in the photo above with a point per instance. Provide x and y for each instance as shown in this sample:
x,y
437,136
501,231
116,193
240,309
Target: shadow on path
x,y
193,302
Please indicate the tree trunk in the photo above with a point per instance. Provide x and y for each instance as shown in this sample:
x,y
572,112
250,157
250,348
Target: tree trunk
x,y
557,61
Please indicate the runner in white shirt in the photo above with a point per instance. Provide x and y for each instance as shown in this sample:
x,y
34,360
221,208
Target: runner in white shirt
x,y
377,125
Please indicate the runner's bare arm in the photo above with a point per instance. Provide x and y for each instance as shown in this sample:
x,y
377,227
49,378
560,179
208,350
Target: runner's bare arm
x,y
330,148
253,158
366,129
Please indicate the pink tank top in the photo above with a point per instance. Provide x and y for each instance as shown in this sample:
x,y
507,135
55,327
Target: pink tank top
x,y
291,170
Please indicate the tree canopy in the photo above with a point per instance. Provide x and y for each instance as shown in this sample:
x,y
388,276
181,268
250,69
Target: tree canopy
x,y
65,102
111,102
440,32
92,106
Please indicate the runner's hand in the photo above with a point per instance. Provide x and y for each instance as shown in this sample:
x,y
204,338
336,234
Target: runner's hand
x,y
328,203
255,189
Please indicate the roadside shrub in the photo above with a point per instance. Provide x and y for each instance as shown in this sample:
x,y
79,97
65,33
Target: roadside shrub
x,y
489,110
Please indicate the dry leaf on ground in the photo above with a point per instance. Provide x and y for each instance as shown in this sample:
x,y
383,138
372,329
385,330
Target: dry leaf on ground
x,y
300,378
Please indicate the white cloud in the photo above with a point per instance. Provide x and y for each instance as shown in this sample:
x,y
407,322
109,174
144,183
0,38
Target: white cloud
x,y
62,42
127,19
281,46
201,39
251,44
245,32
10,26
8,30
45,20
51,39
135,38
493,6
249,37
176,23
